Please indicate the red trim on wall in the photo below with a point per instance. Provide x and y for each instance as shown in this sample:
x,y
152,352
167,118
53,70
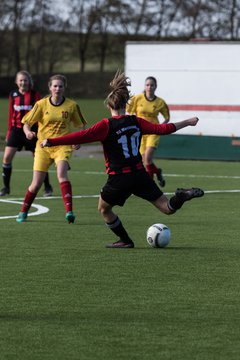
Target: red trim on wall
x,y
235,142
206,107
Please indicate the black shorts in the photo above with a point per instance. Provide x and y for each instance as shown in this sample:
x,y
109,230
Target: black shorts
x,y
119,188
17,139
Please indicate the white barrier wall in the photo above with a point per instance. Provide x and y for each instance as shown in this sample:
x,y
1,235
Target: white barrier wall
x,y
195,78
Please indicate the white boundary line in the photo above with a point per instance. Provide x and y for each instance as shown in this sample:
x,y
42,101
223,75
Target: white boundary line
x,y
43,210
176,175
168,175
40,209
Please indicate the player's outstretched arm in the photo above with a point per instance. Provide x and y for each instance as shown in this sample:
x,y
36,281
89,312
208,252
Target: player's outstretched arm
x,y
184,123
96,132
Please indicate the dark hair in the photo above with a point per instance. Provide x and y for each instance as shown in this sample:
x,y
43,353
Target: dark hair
x,y
118,98
152,78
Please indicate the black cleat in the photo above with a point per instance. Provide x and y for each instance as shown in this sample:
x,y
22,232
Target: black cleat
x,y
5,191
48,191
121,245
160,178
188,194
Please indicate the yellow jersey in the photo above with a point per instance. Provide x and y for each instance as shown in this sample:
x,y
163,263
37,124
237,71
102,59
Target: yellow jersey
x,y
148,109
54,120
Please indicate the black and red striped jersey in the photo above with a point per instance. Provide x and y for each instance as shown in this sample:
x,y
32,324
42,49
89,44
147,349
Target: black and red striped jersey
x,y
121,146
19,105
120,136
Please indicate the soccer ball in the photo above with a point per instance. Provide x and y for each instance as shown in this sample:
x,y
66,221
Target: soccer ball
x,y
158,235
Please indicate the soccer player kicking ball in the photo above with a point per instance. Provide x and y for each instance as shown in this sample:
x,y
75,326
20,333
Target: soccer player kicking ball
x,y
121,136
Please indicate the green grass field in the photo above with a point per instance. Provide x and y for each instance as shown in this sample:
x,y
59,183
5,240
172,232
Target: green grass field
x,y
65,296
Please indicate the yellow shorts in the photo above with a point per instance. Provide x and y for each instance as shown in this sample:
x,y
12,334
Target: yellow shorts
x,y
44,157
149,141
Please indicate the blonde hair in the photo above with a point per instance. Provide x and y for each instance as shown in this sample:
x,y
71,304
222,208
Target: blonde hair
x,y
119,96
27,74
58,77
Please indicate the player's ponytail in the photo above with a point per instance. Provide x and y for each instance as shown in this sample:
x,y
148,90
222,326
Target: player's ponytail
x,y
118,97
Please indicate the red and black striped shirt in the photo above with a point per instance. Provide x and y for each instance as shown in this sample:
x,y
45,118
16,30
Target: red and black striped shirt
x,y
19,105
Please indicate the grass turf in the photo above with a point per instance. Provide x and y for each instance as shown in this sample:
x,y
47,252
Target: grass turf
x,y
65,296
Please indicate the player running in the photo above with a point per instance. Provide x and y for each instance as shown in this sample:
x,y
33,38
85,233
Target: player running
x,y
121,136
148,106
54,115
21,101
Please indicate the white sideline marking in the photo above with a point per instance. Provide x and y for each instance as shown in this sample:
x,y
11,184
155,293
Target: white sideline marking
x,y
40,209
168,175
176,175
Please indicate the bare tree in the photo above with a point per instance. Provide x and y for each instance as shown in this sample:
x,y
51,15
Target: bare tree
x,y
15,10
234,13
36,36
4,26
223,19
103,23
140,15
84,16
44,43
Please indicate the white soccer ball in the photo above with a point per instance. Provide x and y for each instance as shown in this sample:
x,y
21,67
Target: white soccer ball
x,y
158,235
